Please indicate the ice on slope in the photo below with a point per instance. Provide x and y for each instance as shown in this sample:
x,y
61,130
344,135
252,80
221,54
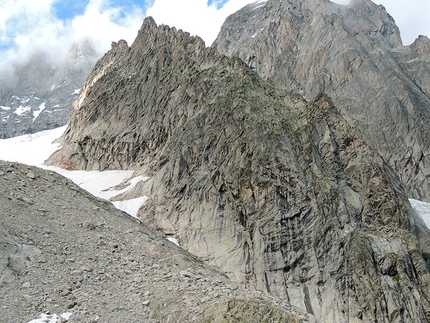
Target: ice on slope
x,y
36,113
131,206
31,149
423,210
34,149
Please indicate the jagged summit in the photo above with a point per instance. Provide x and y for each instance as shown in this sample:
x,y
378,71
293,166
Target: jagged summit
x,y
283,195
353,53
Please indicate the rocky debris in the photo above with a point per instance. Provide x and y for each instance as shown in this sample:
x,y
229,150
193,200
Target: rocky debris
x,y
281,194
354,54
120,271
40,94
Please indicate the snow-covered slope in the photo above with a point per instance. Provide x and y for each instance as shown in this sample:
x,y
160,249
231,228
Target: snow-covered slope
x,y
34,149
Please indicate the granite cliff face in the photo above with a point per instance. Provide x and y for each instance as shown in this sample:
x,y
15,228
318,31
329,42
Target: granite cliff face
x,y
39,96
283,195
354,54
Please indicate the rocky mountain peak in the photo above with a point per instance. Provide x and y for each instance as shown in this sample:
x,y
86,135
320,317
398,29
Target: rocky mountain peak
x,y
421,46
150,35
367,17
348,52
282,194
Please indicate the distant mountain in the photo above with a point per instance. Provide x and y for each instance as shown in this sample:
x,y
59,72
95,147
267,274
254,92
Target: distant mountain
x,y
39,96
282,194
355,55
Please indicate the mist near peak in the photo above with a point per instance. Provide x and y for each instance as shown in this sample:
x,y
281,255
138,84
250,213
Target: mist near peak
x,y
30,29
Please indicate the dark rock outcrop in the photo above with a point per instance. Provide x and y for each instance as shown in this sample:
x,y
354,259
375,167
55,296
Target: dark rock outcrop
x,y
281,194
39,96
354,54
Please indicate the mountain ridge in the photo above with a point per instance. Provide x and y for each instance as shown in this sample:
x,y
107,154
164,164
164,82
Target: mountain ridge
x,y
282,194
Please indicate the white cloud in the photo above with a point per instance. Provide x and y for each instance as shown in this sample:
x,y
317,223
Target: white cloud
x,y
27,26
194,16
105,24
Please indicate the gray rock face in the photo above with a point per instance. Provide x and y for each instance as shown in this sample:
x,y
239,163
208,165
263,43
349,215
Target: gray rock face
x,y
119,271
354,54
39,96
282,195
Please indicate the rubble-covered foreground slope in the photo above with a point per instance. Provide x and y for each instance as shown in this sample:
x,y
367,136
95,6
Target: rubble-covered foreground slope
x,y
64,251
355,55
282,195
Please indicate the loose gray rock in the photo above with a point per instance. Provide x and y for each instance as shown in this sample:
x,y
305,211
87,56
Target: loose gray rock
x,y
75,271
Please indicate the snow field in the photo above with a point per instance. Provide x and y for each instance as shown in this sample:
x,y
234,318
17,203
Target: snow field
x,y
35,148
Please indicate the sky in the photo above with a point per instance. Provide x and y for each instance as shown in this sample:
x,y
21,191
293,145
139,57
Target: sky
x,y
51,25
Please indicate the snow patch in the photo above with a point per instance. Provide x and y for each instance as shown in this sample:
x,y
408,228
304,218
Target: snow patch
x,y
31,149
38,112
21,110
132,206
47,318
52,87
34,149
5,119
66,316
422,209
5,108
174,240
76,91
103,185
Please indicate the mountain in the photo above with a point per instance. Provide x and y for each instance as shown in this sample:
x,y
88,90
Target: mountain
x,y
282,194
64,251
355,55
39,96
